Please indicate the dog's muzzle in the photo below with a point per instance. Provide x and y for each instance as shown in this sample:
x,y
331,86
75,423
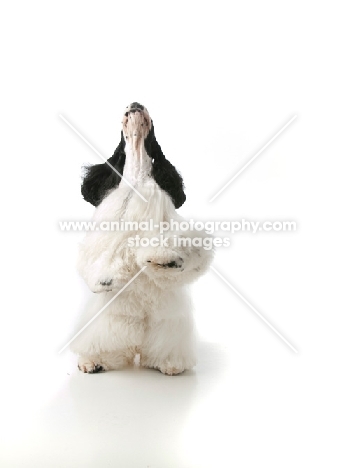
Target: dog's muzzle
x,y
136,122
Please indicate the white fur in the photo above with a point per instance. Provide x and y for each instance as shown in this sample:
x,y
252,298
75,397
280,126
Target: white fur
x,y
152,316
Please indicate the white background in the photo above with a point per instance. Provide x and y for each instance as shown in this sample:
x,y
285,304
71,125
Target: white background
x,y
219,80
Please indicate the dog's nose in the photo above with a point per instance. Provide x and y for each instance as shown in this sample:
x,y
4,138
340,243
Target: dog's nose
x,y
136,106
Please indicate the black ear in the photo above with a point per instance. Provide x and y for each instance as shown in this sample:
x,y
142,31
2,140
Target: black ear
x,y
99,179
163,172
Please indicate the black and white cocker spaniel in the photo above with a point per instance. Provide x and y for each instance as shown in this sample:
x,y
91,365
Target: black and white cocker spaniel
x,y
139,255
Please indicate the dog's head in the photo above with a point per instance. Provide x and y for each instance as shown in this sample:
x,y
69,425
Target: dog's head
x,y
137,129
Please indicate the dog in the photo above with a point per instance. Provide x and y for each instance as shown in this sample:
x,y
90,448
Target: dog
x,y
140,289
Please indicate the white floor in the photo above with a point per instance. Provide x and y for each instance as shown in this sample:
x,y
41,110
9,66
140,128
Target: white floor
x,y
250,402
216,415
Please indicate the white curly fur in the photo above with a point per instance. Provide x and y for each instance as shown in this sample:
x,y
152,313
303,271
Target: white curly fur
x,y
152,317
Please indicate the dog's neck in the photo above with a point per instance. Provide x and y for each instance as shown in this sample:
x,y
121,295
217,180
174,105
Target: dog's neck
x,y
138,165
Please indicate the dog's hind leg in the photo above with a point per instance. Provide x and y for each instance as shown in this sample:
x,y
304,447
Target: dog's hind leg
x,y
169,340
109,337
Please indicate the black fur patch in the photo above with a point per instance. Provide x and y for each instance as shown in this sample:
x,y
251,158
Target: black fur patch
x,y
99,179
163,172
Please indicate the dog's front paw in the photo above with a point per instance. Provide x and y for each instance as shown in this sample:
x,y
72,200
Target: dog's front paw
x,y
88,366
106,284
162,258
103,285
166,262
